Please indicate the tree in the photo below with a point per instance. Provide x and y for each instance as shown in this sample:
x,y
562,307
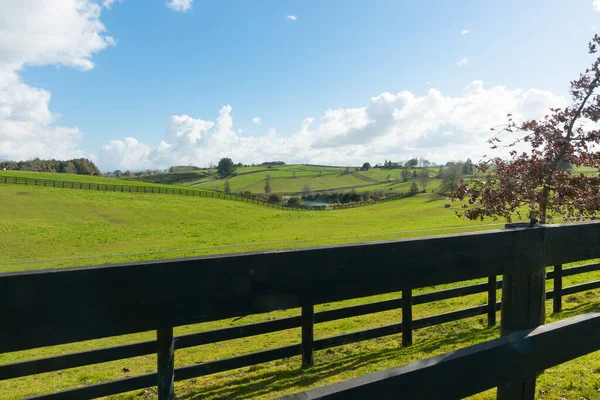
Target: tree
x,y
467,167
423,163
321,172
294,202
405,174
423,178
307,189
450,175
268,184
533,181
274,198
226,167
365,167
413,188
293,174
227,186
412,163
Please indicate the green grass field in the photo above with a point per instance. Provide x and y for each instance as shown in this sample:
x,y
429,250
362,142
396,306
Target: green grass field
x,y
319,177
81,178
38,223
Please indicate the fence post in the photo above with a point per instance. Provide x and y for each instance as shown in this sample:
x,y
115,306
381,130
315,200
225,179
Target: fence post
x,y
557,300
523,307
308,327
491,308
407,334
166,362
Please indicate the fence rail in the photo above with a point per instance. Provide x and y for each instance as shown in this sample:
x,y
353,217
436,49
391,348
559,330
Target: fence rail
x,y
37,307
213,194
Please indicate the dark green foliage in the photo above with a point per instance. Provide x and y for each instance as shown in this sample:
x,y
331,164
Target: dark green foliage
x,y
226,167
365,167
413,188
405,174
81,166
183,168
227,186
274,198
294,202
412,163
467,167
271,163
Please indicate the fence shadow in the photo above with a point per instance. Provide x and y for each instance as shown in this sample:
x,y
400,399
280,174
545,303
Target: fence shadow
x,y
261,385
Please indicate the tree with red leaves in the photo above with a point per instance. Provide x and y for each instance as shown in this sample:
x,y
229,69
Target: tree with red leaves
x,y
535,182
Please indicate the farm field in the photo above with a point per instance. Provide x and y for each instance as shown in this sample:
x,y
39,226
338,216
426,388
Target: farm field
x,y
38,223
77,178
43,223
290,178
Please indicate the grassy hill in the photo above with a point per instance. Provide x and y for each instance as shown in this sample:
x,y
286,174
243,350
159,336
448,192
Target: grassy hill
x,y
42,223
294,178
38,223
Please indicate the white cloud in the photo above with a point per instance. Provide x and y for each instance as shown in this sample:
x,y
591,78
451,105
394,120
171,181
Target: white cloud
x,y
256,120
463,62
596,5
180,5
71,33
109,3
292,17
393,126
465,31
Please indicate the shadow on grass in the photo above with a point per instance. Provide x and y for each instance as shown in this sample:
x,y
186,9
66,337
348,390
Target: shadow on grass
x,y
331,363
577,310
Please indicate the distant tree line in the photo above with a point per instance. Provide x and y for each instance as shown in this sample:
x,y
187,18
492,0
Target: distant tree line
x,y
81,166
183,168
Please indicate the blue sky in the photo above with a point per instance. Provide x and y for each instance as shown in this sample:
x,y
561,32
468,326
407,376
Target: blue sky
x,y
150,65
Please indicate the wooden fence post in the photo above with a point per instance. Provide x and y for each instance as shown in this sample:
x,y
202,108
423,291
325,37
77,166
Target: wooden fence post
x,y
308,328
166,363
557,298
407,331
523,307
491,311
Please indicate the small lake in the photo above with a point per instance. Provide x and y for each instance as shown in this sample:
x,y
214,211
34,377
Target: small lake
x,y
314,203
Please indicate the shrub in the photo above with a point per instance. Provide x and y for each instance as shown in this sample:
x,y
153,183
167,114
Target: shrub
x,y
294,202
413,188
274,198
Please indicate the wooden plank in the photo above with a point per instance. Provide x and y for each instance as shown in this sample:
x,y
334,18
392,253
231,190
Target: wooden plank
x,y
581,287
102,389
450,316
491,306
557,291
358,336
218,287
523,307
474,369
165,351
354,311
407,320
245,360
308,330
39,366
582,269
566,243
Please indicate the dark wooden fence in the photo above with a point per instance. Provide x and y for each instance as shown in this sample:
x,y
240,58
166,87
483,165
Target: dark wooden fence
x,y
51,307
213,194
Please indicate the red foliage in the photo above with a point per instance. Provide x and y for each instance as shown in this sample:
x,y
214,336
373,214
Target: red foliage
x,y
537,180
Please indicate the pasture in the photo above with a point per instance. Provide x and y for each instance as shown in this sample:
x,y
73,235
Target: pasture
x,y
38,223
294,178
